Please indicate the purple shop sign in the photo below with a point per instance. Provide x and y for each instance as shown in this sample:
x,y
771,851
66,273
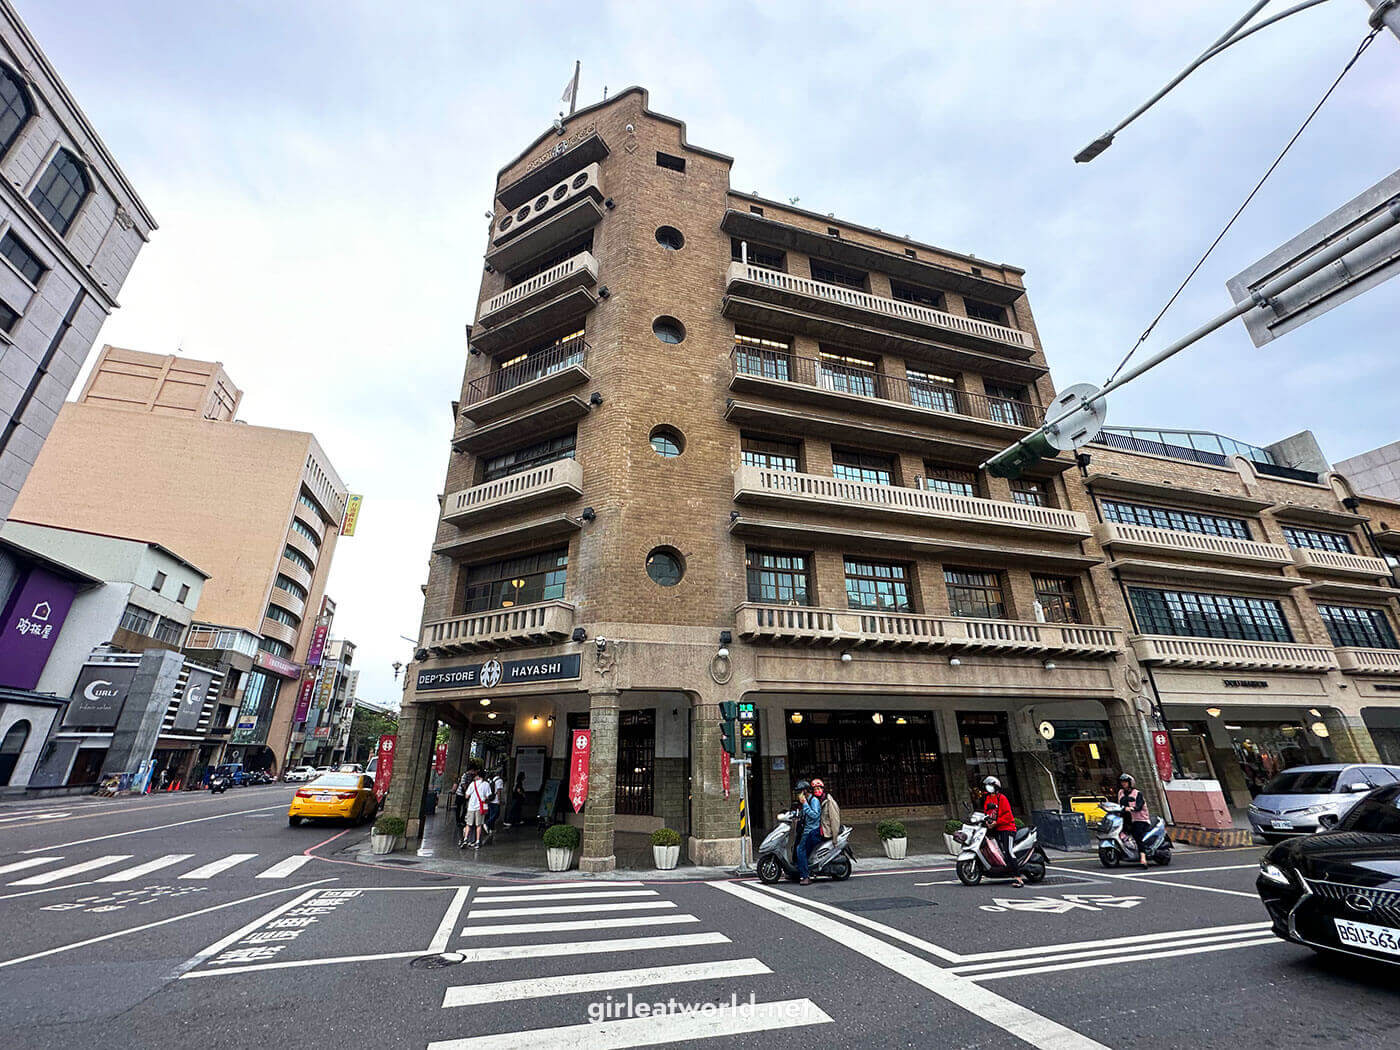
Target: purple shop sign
x,y
303,708
318,644
30,624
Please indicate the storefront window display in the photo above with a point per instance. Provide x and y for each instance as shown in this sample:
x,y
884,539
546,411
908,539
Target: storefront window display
x,y
1083,759
1264,749
868,758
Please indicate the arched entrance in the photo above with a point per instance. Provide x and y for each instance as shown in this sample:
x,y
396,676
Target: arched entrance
x,y
10,749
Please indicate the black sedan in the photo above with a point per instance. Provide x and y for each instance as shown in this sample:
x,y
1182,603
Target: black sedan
x,y
1339,891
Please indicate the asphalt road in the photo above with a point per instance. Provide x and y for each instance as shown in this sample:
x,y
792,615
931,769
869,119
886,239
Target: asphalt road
x,y
190,920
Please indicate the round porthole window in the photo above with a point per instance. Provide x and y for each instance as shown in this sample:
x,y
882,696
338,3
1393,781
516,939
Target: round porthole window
x,y
665,566
522,214
670,238
668,329
506,222
560,191
580,181
542,202
667,442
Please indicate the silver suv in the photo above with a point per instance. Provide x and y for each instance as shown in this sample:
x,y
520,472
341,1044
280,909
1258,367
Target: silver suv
x,y
1307,799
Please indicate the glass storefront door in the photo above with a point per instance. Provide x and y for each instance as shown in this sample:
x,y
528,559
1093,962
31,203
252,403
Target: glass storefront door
x,y
1264,749
868,758
1083,759
987,752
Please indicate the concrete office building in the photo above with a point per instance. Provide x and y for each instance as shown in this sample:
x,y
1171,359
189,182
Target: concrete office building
x,y
714,447
258,508
70,229
1375,473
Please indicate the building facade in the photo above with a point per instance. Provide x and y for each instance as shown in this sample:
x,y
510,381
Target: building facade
x,y
712,447
70,229
258,508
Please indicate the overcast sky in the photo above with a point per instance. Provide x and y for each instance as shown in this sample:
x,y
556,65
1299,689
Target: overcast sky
x,y
320,170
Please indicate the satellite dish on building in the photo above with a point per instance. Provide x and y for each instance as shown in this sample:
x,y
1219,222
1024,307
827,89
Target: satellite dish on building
x,y
1084,422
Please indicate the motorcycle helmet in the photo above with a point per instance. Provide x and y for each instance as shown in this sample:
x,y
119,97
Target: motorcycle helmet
x,y
1126,778
802,786
991,784
818,787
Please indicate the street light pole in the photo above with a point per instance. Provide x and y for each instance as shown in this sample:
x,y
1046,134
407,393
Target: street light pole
x,y
1385,13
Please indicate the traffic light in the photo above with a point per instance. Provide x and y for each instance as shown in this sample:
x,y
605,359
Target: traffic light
x,y
748,728
728,712
1011,462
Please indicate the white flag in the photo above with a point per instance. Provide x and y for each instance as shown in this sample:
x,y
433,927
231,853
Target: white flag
x,y
570,88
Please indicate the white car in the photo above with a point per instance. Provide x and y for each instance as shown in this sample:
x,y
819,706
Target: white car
x,y
301,774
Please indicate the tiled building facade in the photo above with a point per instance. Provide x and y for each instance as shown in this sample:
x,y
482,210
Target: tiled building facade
x,y
711,447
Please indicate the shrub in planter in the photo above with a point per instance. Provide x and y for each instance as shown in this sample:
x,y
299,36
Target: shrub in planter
x,y
950,828
666,848
894,837
560,841
386,833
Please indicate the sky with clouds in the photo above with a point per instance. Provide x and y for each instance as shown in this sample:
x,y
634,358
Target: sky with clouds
x,y
320,172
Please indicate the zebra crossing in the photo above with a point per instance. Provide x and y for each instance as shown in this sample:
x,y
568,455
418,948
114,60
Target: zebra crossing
x,y
165,865
633,922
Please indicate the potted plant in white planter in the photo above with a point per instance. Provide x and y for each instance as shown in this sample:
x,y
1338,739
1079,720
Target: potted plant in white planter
x,y
949,829
560,842
894,838
665,848
385,834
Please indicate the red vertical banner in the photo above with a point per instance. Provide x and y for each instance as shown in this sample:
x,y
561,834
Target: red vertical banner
x,y
308,686
724,771
384,769
1162,751
578,768
440,759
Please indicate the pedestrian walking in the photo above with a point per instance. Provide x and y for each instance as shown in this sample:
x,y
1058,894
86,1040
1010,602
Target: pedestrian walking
x,y
477,794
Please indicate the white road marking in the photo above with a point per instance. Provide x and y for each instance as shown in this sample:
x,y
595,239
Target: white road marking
x,y
1186,871
566,909
32,862
449,920
580,924
565,896
214,867
1183,885
242,931
31,816
725,1019
142,831
139,929
283,868
129,874
530,888
1143,939
476,955
1104,954
598,981
72,869
1151,957
1011,1017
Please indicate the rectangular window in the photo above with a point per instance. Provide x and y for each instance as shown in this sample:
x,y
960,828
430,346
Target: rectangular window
x,y
877,585
759,255
169,632
1007,404
913,293
184,592
9,316
754,209
838,275
778,578
665,160
1056,597
1030,493
1176,520
1185,613
868,467
304,531
931,390
1317,540
137,620
980,311
974,594
300,560
847,374
951,480
523,580
768,453
769,358
159,582
19,255
529,456
892,762
1362,628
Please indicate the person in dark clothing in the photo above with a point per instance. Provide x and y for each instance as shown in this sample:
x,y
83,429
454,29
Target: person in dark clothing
x,y
809,821
517,800
1134,813
1003,824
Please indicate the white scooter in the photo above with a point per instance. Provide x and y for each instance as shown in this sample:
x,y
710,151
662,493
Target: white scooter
x,y
981,854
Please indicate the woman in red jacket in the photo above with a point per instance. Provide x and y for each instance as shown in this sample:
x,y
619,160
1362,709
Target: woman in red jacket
x,y
1003,824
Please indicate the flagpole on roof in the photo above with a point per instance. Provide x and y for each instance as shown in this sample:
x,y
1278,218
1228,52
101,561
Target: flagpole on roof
x,y
573,91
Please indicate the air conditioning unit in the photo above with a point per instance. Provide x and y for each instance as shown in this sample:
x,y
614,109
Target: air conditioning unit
x,y
584,183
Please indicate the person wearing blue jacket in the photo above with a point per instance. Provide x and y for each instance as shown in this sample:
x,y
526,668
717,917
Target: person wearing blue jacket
x,y
809,819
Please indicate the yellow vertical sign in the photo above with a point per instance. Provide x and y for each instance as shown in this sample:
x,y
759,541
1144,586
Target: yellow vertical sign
x,y
352,515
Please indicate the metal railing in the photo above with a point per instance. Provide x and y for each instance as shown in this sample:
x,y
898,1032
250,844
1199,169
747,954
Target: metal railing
x,y
777,365
536,366
836,293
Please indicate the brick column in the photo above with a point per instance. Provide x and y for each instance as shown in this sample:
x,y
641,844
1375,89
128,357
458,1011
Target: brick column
x,y
598,816
714,820
1129,740
1351,740
413,757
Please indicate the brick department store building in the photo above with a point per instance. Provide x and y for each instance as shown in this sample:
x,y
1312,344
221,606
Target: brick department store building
x,y
712,447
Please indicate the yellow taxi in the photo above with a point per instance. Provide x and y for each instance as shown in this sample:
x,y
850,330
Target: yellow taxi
x,y
339,796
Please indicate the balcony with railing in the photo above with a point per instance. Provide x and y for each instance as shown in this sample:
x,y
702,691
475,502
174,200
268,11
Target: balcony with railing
x,y
1194,545
279,631
538,624
1338,563
836,300
775,373
1226,653
837,495
893,630
1355,660
577,271
505,390
559,481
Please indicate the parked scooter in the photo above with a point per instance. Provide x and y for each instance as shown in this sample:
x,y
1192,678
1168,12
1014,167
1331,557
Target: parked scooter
x,y
1116,846
981,854
777,856
219,783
